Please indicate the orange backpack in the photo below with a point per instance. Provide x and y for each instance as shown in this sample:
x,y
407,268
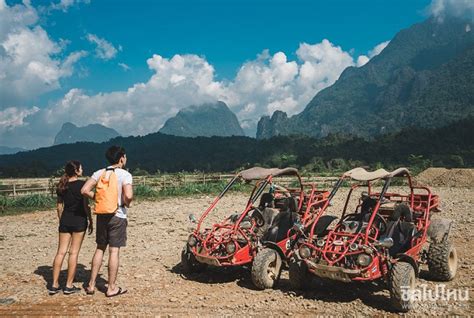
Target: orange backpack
x,y
106,195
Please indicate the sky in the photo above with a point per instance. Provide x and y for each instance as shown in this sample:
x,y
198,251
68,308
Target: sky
x,y
131,65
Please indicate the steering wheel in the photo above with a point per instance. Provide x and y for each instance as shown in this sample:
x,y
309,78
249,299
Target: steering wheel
x,y
355,216
381,225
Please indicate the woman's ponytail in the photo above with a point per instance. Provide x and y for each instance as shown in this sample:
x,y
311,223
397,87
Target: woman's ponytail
x,y
70,170
62,184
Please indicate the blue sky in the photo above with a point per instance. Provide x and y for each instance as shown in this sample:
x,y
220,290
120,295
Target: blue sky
x,y
227,33
131,65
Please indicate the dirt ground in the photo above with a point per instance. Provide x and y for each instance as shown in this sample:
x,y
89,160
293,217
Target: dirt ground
x,y
150,270
442,177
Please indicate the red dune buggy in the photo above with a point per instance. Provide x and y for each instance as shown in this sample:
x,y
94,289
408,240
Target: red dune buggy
x,y
383,239
236,240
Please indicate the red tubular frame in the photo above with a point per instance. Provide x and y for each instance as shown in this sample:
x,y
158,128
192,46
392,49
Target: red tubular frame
x,y
332,254
232,230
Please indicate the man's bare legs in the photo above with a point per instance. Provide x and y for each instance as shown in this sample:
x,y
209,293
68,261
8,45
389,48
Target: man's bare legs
x,y
96,264
64,239
76,243
114,253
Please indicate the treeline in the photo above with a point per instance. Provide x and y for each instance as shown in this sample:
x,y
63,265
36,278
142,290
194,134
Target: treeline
x,y
449,146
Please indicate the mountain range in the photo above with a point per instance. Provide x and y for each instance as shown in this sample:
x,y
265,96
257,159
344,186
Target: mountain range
x,y
423,78
204,120
70,133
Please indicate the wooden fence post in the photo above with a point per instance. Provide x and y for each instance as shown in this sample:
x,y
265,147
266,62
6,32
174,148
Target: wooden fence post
x,y
14,190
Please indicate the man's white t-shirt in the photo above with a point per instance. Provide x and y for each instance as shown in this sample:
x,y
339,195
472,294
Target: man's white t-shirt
x,y
123,177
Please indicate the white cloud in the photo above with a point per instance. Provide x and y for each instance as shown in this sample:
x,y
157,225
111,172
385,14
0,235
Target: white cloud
x,y
143,108
64,5
378,48
457,8
363,59
124,66
261,86
13,117
104,49
29,60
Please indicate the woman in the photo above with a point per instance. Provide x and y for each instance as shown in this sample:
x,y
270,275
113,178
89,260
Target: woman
x,y
74,214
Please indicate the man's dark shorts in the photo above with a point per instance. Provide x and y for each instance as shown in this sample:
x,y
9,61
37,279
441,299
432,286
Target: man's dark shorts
x,y
111,230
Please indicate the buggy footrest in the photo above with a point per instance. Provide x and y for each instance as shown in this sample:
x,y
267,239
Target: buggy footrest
x,y
207,260
333,272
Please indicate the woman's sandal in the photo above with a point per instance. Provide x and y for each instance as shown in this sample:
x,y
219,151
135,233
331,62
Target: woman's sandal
x,y
89,292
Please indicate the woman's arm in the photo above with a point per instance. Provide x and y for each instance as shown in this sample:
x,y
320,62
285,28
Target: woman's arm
x,y
59,208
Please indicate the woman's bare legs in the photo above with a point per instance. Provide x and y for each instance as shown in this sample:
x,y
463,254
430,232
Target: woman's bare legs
x,y
76,243
64,239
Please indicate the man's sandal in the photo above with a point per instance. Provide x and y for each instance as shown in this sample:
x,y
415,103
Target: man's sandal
x,y
119,292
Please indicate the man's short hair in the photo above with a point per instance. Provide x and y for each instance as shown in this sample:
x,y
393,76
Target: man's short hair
x,y
114,153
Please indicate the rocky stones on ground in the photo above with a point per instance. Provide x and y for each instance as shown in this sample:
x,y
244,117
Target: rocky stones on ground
x,y
150,269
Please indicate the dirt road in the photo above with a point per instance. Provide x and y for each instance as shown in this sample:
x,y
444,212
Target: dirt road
x,y
150,270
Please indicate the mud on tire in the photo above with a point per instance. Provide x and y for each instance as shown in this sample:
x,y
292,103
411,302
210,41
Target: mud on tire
x,y
189,264
402,281
266,268
442,261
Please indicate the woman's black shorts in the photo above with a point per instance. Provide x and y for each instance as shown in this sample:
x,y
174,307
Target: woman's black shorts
x,y
63,228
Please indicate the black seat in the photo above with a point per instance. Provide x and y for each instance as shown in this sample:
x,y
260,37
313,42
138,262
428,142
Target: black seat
x,y
267,200
286,204
283,222
400,228
323,223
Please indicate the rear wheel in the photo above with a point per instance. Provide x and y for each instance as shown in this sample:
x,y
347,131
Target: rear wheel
x,y
266,268
401,285
442,261
298,273
189,263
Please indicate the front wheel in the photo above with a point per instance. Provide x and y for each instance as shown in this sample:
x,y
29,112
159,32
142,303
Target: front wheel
x,y
401,285
266,268
189,263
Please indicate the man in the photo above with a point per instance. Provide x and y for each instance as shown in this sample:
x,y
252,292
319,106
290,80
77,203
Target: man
x,y
111,229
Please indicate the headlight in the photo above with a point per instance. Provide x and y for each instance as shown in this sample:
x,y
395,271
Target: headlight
x,y
192,240
353,247
230,247
364,259
320,243
304,251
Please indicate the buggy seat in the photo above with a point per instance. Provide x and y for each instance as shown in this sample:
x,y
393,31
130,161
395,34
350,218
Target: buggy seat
x,y
400,228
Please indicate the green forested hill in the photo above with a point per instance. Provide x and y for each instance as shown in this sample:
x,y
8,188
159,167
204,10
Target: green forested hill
x,y
451,146
423,78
